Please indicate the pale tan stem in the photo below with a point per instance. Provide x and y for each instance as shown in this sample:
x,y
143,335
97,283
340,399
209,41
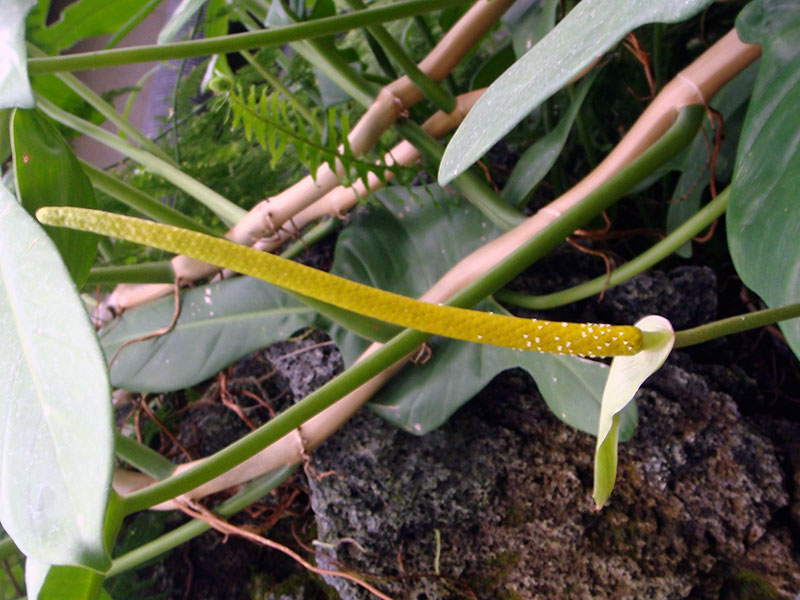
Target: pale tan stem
x,y
340,200
393,101
698,82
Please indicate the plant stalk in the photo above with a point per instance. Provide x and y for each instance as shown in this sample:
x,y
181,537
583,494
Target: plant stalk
x,y
702,219
241,41
291,420
221,206
737,324
443,99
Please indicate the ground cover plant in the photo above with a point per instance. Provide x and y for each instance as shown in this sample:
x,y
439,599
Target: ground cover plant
x,y
718,137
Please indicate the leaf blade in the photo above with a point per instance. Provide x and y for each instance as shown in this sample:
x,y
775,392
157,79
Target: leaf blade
x,y
763,220
591,28
56,440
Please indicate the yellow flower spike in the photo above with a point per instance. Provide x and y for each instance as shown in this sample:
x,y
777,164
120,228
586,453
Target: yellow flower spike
x,y
582,339
625,377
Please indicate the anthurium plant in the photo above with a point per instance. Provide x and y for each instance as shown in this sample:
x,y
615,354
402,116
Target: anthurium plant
x,y
428,260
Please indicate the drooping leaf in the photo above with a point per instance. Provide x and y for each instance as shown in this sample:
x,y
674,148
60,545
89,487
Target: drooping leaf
x,y
406,248
763,221
626,376
56,440
591,28
218,324
83,19
15,89
48,174
537,160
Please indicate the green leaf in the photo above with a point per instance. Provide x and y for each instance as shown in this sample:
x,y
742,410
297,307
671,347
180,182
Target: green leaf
x,y
530,21
48,174
405,248
180,16
763,219
537,160
5,134
47,582
626,376
15,89
219,323
83,19
492,68
56,440
591,28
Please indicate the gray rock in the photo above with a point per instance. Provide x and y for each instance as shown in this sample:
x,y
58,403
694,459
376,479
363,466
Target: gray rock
x,y
508,488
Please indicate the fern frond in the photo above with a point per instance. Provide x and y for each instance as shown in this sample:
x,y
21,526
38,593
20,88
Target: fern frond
x,y
270,120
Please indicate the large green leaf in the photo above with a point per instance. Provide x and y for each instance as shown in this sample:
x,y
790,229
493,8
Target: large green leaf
x,y
218,324
406,248
56,442
48,174
83,19
15,90
764,212
591,28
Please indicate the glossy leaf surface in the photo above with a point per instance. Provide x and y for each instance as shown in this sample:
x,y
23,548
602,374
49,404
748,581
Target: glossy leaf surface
x,y
56,442
48,174
763,220
15,90
590,29
406,248
218,324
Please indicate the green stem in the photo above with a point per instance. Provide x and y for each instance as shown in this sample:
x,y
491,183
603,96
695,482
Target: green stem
x,y
224,208
680,134
252,492
380,56
422,27
143,458
242,41
310,237
737,324
141,202
106,248
153,272
443,99
276,83
677,137
131,23
106,109
657,253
